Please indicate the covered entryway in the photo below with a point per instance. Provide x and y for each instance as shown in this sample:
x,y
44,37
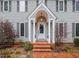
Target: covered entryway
x,y
42,25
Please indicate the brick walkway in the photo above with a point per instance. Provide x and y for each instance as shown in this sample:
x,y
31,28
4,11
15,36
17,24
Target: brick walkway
x,y
43,50
55,55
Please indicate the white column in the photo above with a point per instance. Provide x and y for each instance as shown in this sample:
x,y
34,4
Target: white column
x,y
29,30
53,32
34,31
49,31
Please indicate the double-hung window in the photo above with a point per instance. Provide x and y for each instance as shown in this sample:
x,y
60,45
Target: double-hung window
x,y
77,5
61,29
22,6
75,29
61,5
5,5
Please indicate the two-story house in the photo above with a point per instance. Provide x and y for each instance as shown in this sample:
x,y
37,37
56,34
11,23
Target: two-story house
x,y
42,19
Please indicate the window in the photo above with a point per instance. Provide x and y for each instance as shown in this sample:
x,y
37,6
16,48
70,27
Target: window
x,y
5,5
61,5
75,29
22,29
22,6
61,29
41,28
77,5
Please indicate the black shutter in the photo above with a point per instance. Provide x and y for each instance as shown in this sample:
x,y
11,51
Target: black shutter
x,y
65,30
65,5
37,1
73,29
17,6
26,29
18,30
1,6
26,6
9,6
46,2
56,31
56,5
73,4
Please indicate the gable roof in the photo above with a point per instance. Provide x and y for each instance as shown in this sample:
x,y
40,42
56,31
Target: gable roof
x,y
46,9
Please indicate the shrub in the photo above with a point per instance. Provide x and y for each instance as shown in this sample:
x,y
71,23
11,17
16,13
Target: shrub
x,y
7,34
6,52
27,46
76,41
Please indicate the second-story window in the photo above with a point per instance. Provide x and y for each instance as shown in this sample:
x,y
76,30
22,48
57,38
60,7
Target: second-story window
x,y
22,6
77,5
5,5
61,5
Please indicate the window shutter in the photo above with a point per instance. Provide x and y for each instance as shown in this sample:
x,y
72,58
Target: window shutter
x,y
9,6
56,5
65,5
17,6
56,29
26,6
26,29
18,30
37,1
46,2
73,4
65,30
61,29
1,6
73,29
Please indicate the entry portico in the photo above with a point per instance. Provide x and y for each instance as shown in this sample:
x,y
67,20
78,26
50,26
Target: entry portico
x,y
42,25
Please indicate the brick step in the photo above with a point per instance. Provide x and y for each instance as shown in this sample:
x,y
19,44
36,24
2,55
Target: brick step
x,y
41,46
41,43
41,50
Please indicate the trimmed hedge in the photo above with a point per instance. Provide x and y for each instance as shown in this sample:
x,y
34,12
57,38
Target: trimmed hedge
x,y
76,41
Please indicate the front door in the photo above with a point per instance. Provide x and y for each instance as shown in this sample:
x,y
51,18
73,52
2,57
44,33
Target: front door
x,y
41,30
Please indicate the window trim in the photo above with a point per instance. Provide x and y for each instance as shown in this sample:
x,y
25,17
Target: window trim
x,y
20,6
25,8
20,29
8,6
63,28
59,6
75,29
75,7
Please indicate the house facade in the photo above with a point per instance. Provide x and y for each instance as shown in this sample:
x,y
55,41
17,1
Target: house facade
x,y
42,20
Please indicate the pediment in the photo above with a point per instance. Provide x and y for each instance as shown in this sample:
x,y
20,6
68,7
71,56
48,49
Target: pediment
x,y
43,8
